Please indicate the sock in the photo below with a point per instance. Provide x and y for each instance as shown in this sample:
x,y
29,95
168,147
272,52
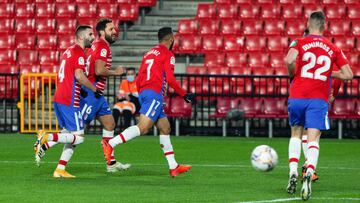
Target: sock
x,y
304,147
294,155
65,156
48,145
313,155
66,138
167,148
128,134
107,135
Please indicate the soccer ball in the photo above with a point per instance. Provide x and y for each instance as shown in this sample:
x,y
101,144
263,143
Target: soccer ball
x,y
264,158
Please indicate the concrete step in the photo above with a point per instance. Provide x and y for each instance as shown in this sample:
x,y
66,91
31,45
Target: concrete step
x,y
161,21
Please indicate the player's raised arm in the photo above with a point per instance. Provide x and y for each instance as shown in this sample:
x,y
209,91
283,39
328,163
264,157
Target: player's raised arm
x,y
290,61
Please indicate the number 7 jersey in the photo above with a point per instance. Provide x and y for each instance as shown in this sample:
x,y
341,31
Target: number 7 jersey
x,y
316,57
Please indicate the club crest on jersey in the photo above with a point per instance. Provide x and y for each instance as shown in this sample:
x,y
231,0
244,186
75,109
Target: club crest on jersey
x,y
293,43
81,61
172,60
103,52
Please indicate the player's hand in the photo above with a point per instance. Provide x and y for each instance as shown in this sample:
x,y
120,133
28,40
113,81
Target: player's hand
x,y
119,70
190,98
83,93
98,94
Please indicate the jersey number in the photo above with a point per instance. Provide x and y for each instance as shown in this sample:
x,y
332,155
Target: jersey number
x,y
61,71
309,56
149,62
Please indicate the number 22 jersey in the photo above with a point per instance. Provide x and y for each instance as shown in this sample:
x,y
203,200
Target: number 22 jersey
x,y
316,57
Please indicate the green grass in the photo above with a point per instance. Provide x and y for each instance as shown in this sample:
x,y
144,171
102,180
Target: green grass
x,y
221,172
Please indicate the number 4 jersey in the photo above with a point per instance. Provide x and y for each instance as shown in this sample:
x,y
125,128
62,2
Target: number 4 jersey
x,y
317,55
68,89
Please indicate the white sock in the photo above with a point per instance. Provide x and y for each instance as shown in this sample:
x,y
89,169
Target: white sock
x,y
107,135
66,138
128,134
294,155
313,155
304,147
167,148
50,144
65,156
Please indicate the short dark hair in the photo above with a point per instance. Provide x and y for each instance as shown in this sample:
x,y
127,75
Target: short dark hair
x,y
317,20
81,28
163,32
306,32
130,69
101,24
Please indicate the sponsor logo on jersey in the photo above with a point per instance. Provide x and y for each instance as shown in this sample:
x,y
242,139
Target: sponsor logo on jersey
x,y
103,52
172,60
81,61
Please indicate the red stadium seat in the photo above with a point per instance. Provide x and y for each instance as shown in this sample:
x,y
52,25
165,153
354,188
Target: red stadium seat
x,y
25,41
6,10
64,41
218,71
51,68
45,25
176,44
230,27
86,11
241,84
243,2
251,106
44,1
277,60
7,42
294,28
208,27
211,43
335,12
207,11
249,11
270,11
353,60
351,2
252,27
277,44
84,1
66,26
45,10
65,10
25,25
179,108
309,1
233,43
255,43
333,2
220,88
24,10
6,25
355,28
339,28
147,3
190,44
27,57
345,44
214,60
274,27
48,57
89,21
196,70
287,1
309,8
274,108
187,26
106,10
224,105
291,11
281,71
227,11
23,1
125,1
9,69
7,57
223,1
104,1
354,12
236,60
342,108
45,41
29,68
128,12
258,60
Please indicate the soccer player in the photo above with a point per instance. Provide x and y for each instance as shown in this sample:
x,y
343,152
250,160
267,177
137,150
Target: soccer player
x,y
309,94
98,69
67,102
156,70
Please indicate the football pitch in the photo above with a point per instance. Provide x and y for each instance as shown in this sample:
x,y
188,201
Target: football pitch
x,y
221,172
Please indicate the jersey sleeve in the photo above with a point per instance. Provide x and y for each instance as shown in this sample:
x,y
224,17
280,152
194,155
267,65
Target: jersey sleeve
x,y
170,78
101,53
340,58
79,62
294,44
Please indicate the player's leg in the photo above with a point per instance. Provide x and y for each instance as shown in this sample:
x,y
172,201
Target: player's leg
x,y
127,118
174,168
315,177
297,120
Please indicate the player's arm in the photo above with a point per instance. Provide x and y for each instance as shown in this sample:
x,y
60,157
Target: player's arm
x,y
170,77
290,61
345,73
83,80
101,70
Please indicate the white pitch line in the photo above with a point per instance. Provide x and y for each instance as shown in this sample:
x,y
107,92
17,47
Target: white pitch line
x,y
295,199
196,165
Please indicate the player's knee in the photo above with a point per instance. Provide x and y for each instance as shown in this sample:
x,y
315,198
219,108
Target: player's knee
x,y
78,139
110,126
144,129
165,131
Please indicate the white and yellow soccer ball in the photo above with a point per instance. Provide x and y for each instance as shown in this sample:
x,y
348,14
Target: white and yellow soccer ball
x,y
264,158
